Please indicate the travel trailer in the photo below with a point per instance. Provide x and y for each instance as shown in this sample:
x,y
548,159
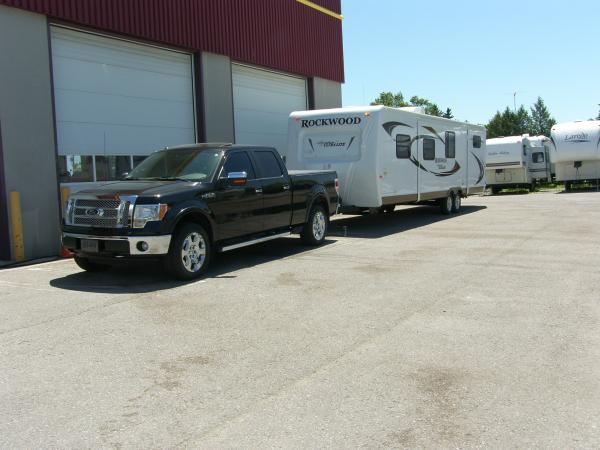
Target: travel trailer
x,y
516,162
576,152
390,156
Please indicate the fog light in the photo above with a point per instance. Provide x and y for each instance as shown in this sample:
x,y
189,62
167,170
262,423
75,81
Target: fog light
x,y
142,246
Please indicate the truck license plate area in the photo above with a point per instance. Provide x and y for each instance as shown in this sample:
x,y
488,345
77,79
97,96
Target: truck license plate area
x,y
89,245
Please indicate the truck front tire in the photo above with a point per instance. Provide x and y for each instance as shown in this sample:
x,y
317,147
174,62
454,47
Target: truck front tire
x,y
88,265
315,229
189,253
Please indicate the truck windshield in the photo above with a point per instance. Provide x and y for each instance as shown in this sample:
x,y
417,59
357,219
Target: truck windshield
x,y
190,164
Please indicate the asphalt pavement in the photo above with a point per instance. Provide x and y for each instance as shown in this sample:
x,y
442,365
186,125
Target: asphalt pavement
x,y
406,330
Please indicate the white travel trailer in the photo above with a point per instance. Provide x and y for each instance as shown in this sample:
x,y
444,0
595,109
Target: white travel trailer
x,y
390,156
576,151
516,161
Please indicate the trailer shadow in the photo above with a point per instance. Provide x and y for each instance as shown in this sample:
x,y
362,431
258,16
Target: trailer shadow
x,y
376,226
150,277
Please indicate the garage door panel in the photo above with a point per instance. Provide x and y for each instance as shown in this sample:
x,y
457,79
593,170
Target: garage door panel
x,y
87,76
115,97
93,139
263,101
84,107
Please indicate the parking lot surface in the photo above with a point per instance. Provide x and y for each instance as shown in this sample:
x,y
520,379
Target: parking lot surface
x,y
406,330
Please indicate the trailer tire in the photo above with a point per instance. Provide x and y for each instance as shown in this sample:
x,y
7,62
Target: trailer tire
x,y
90,266
567,185
532,187
446,203
456,202
495,190
190,252
315,229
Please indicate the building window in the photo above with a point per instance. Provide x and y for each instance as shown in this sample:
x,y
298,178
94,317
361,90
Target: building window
x,y
450,144
538,157
109,168
428,149
476,141
76,168
402,146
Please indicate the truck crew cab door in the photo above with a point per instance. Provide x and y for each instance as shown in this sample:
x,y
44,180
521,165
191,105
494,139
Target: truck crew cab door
x,y
277,192
237,208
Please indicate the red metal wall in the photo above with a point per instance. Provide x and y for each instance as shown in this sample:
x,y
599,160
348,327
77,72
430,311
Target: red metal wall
x,y
280,34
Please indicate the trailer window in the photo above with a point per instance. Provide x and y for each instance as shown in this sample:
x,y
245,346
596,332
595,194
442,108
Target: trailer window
x,y
450,144
402,146
428,149
538,157
476,141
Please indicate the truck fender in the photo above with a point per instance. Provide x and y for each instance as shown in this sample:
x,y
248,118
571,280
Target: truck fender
x,y
197,210
317,194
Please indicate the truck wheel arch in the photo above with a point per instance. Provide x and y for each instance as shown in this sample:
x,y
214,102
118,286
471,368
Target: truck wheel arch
x,y
318,199
195,216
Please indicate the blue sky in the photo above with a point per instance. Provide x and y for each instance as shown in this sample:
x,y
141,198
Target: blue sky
x,y
471,55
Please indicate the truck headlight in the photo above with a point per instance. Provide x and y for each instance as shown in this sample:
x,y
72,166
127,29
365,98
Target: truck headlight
x,y
69,209
143,214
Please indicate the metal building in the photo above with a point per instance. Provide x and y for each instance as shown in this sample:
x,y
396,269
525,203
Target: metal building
x,y
89,87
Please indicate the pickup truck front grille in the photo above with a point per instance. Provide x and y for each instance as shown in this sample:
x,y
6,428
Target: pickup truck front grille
x,y
101,213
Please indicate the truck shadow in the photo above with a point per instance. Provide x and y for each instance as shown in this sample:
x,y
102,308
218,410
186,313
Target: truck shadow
x,y
149,276
376,226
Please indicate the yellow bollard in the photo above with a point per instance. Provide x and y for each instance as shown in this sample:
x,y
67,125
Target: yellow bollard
x,y
16,224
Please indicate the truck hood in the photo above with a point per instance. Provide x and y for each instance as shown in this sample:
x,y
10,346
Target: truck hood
x,y
143,188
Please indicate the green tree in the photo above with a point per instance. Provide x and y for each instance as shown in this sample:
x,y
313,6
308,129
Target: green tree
x,y
430,108
541,120
448,114
391,100
509,123
397,101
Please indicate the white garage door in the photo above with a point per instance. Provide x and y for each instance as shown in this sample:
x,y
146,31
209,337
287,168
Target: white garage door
x,y
117,98
262,103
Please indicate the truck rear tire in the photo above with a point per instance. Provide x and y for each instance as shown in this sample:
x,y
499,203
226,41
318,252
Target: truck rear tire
x,y
189,253
447,203
315,229
89,266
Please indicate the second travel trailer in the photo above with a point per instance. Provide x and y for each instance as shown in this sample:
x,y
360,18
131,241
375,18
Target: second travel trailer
x,y
576,152
390,156
517,162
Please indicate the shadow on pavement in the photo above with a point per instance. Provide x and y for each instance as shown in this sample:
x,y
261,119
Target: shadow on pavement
x,y
375,226
579,190
150,276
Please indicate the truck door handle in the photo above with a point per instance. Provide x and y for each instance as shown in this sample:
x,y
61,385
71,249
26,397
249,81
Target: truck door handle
x,y
286,187
258,190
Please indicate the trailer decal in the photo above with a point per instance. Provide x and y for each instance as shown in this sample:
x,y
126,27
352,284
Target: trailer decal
x,y
389,127
432,130
481,168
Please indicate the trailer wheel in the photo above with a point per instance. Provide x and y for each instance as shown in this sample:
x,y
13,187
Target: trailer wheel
x,y
567,185
447,203
532,187
315,229
89,266
189,253
457,203
495,190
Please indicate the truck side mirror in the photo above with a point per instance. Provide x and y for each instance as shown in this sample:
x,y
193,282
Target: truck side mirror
x,y
237,178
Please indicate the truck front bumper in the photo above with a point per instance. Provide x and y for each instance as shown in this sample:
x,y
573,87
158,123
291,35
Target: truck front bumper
x,y
117,245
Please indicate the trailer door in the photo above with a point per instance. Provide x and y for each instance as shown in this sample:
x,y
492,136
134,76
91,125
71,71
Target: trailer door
x,y
398,168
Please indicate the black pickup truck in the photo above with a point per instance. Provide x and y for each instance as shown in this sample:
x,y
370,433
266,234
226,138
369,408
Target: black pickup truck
x,y
182,204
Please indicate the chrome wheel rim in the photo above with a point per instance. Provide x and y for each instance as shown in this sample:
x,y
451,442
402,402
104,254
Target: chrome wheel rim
x,y
193,252
318,225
